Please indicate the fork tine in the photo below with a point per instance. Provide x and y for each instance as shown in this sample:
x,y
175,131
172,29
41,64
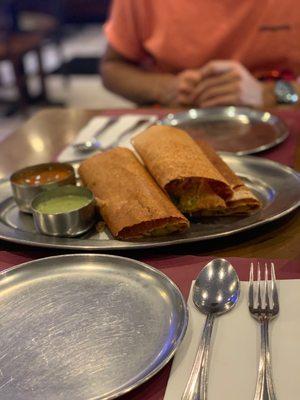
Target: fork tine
x,y
267,299
274,288
250,291
259,303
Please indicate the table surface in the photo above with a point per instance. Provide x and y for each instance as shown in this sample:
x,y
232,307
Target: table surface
x,y
44,136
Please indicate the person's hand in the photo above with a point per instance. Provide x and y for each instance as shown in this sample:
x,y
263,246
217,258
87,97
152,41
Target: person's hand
x,y
179,89
227,83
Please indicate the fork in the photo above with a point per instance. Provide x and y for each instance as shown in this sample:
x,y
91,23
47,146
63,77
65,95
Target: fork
x,y
264,306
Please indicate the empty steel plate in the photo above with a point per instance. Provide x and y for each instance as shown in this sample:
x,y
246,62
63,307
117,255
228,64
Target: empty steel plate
x,y
85,327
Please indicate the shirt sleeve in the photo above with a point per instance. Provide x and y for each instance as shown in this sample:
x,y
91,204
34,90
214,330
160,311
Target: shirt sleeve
x,y
122,29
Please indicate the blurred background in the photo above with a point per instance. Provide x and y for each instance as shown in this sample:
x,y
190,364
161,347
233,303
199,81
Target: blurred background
x,y
49,56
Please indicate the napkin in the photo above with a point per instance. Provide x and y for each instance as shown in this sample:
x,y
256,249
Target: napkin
x,y
235,349
108,136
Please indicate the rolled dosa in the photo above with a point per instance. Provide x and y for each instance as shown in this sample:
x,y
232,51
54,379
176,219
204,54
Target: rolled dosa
x,y
242,200
194,176
130,201
181,168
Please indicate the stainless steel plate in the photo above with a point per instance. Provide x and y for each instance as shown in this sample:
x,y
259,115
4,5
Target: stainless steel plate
x,y
277,186
236,130
85,327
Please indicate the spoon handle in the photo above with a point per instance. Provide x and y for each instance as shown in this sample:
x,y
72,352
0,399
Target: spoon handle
x,y
204,372
196,388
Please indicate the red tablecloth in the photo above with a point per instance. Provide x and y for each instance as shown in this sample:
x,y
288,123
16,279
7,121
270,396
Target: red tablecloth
x,y
285,152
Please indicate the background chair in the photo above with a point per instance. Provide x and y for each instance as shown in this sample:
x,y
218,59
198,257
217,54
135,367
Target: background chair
x,y
26,26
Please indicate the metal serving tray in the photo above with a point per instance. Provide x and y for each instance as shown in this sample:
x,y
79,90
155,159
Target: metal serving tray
x,y
277,186
85,326
237,130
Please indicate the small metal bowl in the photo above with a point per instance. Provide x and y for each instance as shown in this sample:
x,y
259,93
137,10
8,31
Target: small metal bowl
x,y
65,224
24,193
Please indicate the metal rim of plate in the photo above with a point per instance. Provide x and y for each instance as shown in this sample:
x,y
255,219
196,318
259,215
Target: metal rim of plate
x,y
134,271
277,182
229,113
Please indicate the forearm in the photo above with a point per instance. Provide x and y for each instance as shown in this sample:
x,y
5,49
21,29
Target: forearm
x,y
139,86
269,98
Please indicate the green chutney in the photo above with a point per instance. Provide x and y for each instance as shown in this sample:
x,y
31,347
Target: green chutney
x,y
62,204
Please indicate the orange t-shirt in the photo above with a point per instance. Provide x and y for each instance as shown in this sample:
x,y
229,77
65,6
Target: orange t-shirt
x,y
172,35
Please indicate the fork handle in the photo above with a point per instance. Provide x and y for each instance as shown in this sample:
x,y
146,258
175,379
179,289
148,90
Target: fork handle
x,y
264,386
196,387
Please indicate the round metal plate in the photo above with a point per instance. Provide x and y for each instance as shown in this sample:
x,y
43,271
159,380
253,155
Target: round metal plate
x,y
277,186
237,130
85,327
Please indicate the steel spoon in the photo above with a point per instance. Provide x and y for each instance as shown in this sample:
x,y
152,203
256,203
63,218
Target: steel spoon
x,y
89,145
215,292
94,144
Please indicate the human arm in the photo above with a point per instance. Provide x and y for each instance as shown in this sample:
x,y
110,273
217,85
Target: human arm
x,y
122,66
128,79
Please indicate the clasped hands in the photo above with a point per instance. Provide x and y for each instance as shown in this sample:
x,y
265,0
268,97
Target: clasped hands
x,y
217,83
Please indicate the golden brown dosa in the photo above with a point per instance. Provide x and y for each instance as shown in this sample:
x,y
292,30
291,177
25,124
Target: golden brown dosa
x,y
193,174
172,156
130,202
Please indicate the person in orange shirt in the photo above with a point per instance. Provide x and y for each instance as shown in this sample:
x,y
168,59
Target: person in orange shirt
x,y
203,53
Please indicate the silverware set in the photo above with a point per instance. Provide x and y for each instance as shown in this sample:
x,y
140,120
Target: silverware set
x,y
216,291
95,144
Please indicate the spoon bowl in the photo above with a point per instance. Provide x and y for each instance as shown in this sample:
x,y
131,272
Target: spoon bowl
x,y
217,288
88,146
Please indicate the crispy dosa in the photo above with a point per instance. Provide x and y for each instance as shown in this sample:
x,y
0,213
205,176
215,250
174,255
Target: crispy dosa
x,y
130,202
181,168
194,176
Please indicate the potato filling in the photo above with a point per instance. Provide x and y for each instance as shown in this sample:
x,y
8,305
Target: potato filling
x,y
191,198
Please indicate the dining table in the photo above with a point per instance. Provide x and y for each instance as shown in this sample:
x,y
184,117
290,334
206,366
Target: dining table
x,y
43,137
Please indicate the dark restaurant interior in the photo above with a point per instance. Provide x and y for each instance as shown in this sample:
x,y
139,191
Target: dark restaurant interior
x,y
149,199
68,37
